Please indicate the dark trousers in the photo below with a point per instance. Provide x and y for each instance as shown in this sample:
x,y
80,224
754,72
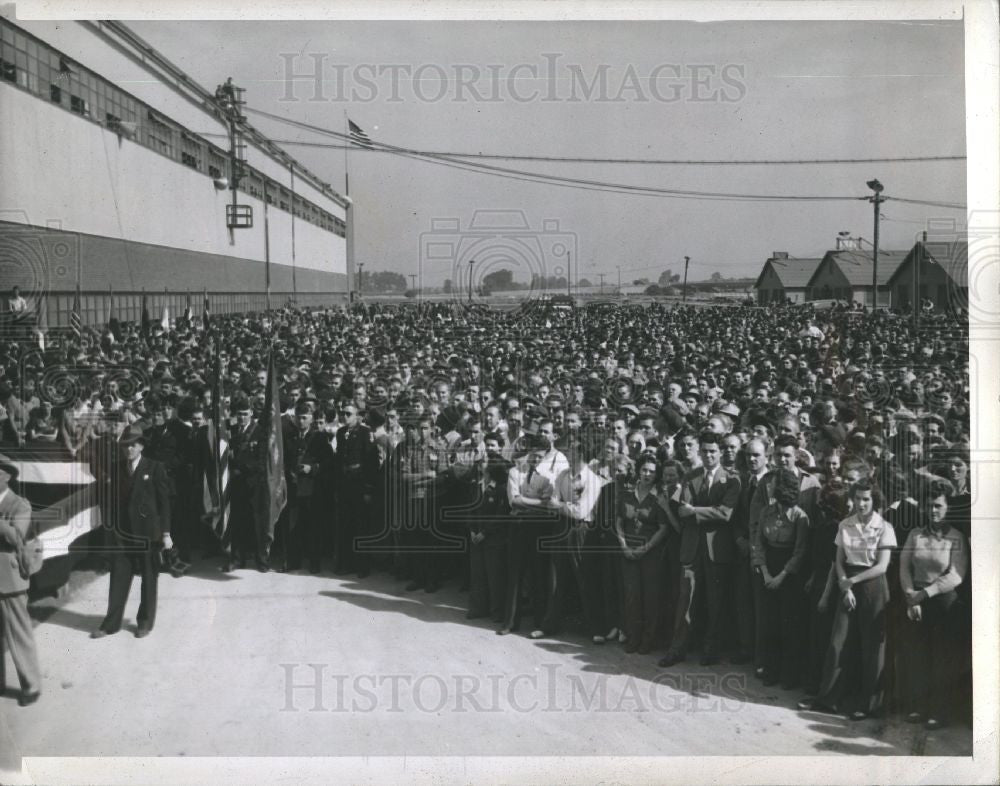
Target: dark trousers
x,y
241,536
565,573
123,566
184,523
781,621
420,541
706,581
305,536
488,575
743,605
642,584
820,627
929,669
855,658
602,578
673,574
353,528
527,568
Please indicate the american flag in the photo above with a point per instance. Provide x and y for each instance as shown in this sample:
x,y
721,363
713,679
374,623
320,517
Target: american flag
x,y
64,497
215,500
205,314
75,320
358,137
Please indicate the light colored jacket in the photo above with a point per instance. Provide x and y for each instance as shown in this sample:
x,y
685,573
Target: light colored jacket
x,y
15,521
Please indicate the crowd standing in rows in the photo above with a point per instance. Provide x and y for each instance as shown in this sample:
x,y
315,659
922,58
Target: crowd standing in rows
x,y
784,488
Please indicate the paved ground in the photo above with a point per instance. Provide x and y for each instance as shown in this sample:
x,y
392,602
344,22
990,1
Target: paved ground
x,y
298,665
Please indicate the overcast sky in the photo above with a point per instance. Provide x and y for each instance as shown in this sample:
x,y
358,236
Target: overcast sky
x,y
739,90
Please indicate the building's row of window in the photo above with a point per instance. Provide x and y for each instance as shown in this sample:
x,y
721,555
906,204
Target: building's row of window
x,y
37,68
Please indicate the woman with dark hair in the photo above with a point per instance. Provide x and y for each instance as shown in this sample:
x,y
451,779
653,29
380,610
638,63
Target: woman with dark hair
x,y
933,565
864,547
641,526
778,548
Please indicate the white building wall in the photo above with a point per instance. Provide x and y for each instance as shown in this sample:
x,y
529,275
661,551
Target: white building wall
x,y
60,167
80,43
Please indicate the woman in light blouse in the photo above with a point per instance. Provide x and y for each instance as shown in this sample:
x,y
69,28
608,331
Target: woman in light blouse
x,y
778,548
933,564
864,543
641,526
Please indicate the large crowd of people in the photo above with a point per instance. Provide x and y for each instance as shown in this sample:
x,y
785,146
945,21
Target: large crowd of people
x,y
783,488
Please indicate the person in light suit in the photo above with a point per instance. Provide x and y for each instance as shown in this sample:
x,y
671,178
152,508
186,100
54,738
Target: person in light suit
x,y
15,521
707,497
141,527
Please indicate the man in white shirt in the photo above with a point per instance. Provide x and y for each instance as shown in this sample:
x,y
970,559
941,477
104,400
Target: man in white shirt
x,y
553,462
575,493
530,493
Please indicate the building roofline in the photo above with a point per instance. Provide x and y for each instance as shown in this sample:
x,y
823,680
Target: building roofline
x,y
149,57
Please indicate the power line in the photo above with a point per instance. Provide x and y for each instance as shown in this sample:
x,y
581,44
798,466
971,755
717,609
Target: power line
x,y
589,184
930,203
642,161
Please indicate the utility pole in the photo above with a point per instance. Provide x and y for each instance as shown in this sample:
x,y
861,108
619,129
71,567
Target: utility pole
x,y
918,260
684,295
602,282
361,280
876,200
471,263
569,281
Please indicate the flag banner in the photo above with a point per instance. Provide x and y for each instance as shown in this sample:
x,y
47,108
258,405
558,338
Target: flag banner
x,y
216,463
215,485
145,315
358,137
206,313
42,324
165,319
114,326
63,496
75,318
274,463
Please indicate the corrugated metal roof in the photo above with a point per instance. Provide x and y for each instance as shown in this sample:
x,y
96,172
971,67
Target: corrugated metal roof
x,y
857,265
793,273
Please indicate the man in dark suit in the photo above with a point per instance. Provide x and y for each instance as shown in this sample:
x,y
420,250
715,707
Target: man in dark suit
x,y
15,624
187,485
305,451
246,471
706,498
140,522
355,460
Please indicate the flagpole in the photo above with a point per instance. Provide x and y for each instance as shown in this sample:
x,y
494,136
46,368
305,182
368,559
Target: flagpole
x,y
348,214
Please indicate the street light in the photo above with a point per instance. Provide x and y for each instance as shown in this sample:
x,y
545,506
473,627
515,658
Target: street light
x,y
471,263
876,200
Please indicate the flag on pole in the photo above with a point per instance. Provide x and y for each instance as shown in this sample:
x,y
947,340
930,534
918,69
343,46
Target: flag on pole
x,y
358,137
42,325
75,319
114,326
187,311
205,314
274,463
145,315
215,498
165,318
